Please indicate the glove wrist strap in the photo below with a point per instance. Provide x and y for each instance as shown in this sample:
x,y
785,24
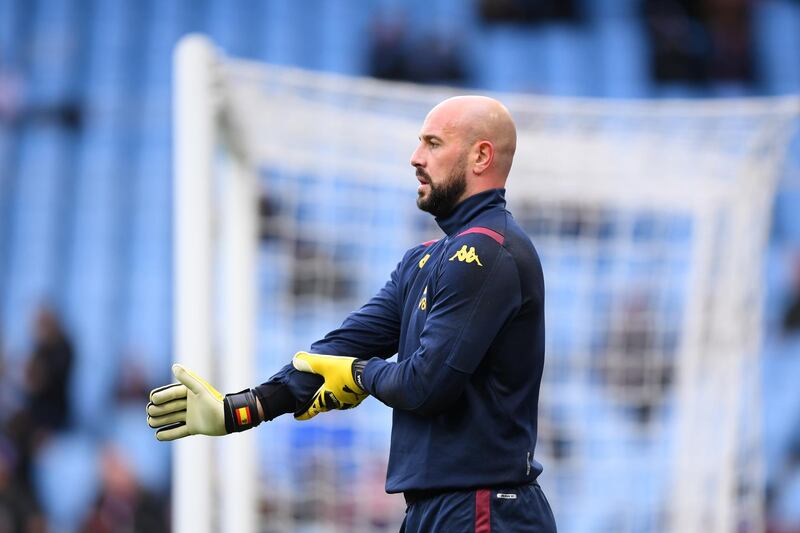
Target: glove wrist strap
x,y
241,411
358,372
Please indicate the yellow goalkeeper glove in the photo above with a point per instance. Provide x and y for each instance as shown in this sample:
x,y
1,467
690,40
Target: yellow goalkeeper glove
x,y
193,407
342,388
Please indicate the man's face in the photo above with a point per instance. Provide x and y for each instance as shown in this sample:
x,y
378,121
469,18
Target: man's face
x,y
441,166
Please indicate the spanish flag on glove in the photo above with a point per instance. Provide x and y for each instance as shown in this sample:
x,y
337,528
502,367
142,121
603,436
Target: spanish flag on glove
x,y
193,407
342,388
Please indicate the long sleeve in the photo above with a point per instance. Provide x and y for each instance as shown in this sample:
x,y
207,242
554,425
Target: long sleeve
x,y
372,330
477,291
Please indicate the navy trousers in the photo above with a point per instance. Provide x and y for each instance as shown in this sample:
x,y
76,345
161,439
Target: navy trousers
x,y
520,509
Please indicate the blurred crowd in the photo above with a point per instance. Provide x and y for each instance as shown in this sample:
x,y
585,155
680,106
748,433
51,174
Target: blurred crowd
x,y
35,407
694,42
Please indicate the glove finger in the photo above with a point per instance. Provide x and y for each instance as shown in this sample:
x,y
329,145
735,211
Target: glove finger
x,y
312,410
182,374
303,362
172,433
193,382
167,393
166,408
166,420
310,413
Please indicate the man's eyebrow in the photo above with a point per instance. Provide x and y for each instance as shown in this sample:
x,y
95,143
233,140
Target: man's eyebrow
x,y
429,137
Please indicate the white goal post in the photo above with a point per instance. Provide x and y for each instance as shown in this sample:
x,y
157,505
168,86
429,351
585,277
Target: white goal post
x,y
215,221
650,217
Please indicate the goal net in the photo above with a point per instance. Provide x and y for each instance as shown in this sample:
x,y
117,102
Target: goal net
x,y
650,219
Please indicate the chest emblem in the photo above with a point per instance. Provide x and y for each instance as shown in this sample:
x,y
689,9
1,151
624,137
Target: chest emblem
x,y
467,256
423,303
424,260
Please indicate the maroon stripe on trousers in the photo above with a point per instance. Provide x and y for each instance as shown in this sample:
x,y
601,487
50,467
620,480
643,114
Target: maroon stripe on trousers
x,y
485,231
482,511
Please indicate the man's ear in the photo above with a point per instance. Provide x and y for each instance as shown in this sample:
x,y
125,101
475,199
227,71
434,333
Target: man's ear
x,y
484,156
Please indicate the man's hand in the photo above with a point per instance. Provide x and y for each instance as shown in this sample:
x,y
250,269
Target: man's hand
x,y
193,407
342,388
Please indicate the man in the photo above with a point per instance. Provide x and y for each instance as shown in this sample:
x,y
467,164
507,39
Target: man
x,y
48,373
465,314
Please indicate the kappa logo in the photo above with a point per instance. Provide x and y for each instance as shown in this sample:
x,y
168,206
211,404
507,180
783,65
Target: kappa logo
x,y
467,256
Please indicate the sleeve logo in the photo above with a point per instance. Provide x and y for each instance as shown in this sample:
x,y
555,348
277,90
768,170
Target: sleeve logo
x,y
424,260
467,256
423,303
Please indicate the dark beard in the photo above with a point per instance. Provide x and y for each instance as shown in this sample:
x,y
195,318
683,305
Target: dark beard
x,y
443,198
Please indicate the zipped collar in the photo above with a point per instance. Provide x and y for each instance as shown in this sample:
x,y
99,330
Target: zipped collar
x,y
470,208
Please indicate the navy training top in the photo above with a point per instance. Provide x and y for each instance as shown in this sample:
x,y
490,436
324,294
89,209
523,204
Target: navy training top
x,y
465,315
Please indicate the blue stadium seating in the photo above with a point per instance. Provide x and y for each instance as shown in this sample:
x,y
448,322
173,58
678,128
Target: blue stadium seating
x,y
33,244
777,28
148,458
621,50
65,476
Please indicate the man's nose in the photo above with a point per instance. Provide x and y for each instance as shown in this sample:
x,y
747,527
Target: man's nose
x,y
416,158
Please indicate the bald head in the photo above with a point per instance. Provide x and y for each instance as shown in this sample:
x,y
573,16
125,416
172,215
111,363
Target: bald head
x,y
466,147
478,119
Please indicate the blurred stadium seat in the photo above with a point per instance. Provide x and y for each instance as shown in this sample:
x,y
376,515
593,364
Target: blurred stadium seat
x,y
66,479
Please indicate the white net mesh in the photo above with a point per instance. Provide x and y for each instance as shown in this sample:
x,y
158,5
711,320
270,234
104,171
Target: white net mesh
x,y
650,219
